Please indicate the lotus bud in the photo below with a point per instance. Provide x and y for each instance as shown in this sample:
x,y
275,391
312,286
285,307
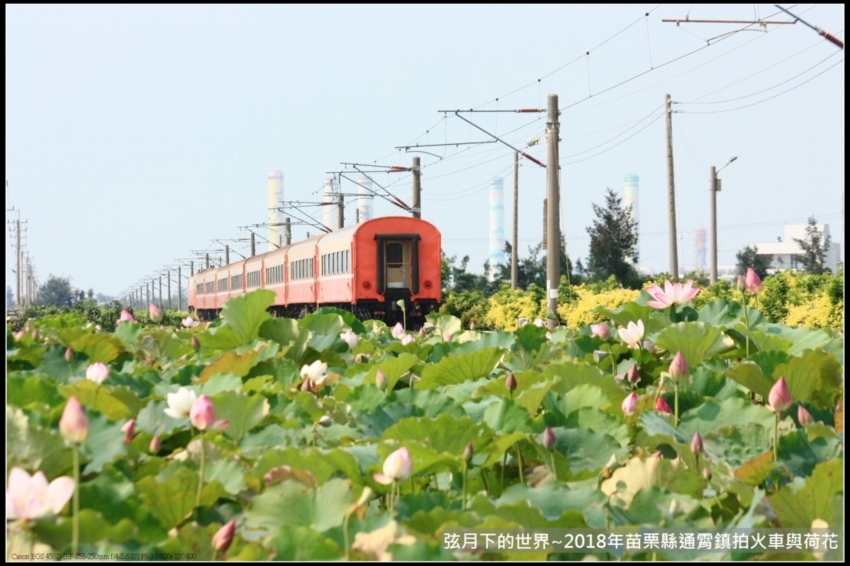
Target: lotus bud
x,y
381,380
97,372
196,344
325,421
548,439
510,383
803,416
779,398
632,375
398,331
673,507
74,425
126,317
662,407
407,339
202,413
350,338
397,467
657,454
706,473
224,536
129,431
155,444
468,452
155,313
752,281
69,355
307,385
422,332
678,367
630,404
742,283
472,325
696,443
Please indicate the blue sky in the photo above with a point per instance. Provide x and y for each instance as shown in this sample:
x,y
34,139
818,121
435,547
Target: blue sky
x,y
137,134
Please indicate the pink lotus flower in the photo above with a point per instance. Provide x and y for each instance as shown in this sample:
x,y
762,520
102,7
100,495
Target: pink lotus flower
x,y
97,372
538,322
803,416
125,317
155,444
74,425
189,322
224,536
752,281
397,467
662,407
31,497
350,338
155,313
202,415
630,404
678,367
632,334
631,375
673,294
69,355
600,330
779,397
408,338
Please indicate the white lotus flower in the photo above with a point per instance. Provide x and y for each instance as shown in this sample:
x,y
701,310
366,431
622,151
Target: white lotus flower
x,y
317,372
180,403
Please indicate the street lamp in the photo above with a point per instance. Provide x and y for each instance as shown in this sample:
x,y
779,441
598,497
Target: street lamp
x,y
713,188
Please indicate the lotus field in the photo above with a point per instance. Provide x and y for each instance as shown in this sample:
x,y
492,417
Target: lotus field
x,y
329,438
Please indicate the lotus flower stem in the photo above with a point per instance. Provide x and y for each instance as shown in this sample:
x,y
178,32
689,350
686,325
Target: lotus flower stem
x,y
676,403
519,463
75,526
484,480
504,465
554,467
747,320
465,470
776,438
345,538
201,474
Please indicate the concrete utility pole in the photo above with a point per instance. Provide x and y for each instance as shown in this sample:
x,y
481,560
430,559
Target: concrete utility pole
x,y
253,245
226,254
514,268
714,187
417,189
287,234
168,277
341,211
671,191
553,256
179,288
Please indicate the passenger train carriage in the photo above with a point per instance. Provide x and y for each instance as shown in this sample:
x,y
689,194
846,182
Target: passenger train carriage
x,y
365,268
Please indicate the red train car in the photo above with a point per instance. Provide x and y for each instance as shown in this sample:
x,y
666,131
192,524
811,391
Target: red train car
x,y
365,268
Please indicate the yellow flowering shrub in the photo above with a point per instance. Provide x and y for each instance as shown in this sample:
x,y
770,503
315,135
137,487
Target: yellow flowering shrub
x,y
507,306
582,311
817,312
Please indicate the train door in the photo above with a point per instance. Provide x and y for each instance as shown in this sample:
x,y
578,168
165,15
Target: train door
x,y
397,255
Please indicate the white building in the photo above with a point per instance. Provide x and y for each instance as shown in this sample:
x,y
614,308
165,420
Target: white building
x,y
785,250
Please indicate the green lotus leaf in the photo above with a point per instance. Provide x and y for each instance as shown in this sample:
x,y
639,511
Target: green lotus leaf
x,y
98,347
104,444
219,383
697,341
293,543
529,338
393,369
291,503
457,369
115,402
506,415
172,499
219,338
32,447
241,411
246,313
287,333
321,463
599,421
552,500
801,338
231,362
94,528
712,415
33,391
324,329
228,474
815,377
445,434
495,339
348,318
798,504
750,375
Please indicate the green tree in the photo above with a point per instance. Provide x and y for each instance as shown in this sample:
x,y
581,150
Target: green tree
x,y
749,257
613,242
532,268
57,292
814,247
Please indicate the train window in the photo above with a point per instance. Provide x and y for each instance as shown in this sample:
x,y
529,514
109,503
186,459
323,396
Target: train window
x,y
210,288
222,284
395,253
199,288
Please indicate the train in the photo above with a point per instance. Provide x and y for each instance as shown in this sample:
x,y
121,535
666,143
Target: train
x,y
366,268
